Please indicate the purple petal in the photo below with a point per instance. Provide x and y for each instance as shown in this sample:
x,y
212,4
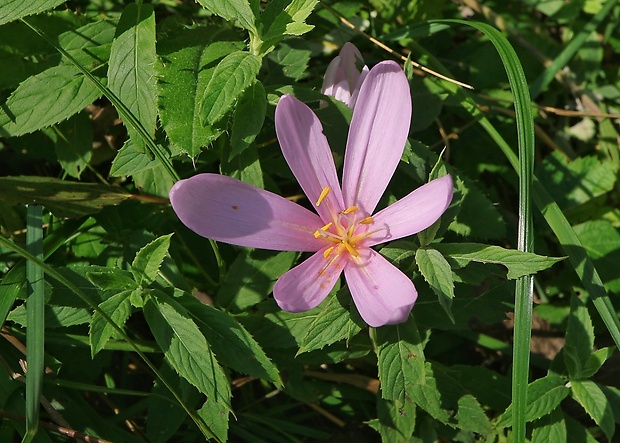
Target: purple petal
x,y
306,285
343,77
382,294
377,135
413,213
307,153
228,210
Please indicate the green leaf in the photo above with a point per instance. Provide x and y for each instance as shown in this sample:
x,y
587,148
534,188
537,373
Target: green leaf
x,y
62,198
74,145
284,17
550,428
596,361
518,263
231,77
55,316
602,241
238,11
591,397
231,342
244,167
149,259
185,348
132,72
45,99
248,118
14,9
543,396
471,417
118,308
334,323
437,272
112,279
90,44
396,420
579,339
400,354
251,278
188,65
130,160
215,416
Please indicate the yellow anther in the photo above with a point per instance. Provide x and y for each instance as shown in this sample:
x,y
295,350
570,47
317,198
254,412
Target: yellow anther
x,y
350,209
327,252
367,221
351,249
317,234
321,231
324,193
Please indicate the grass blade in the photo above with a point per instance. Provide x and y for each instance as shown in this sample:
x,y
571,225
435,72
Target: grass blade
x,y
35,332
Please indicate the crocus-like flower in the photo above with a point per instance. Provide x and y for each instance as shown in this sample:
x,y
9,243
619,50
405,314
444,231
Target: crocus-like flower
x,y
345,229
345,75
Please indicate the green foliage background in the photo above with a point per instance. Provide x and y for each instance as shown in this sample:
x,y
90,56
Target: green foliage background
x,y
139,330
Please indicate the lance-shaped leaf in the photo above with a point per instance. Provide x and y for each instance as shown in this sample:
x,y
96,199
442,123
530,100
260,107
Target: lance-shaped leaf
x,y
149,259
248,118
238,11
579,339
437,272
14,9
518,263
591,397
118,308
232,76
132,69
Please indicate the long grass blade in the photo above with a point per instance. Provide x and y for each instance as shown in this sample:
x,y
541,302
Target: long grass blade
x,y
35,332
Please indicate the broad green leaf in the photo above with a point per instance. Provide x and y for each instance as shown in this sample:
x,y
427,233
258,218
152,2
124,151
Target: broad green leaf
x,y
62,198
149,259
238,11
215,416
289,61
518,263
45,99
90,44
112,279
281,330
154,180
248,118
118,308
543,396
396,420
231,342
189,59
185,348
55,316
14,9
132,72
602,241
591,397
400,354
251,278
284,17
577,432
579,339
130,160
550,428
334,323
426,394
471,417
437,272
74,145
596,360
245,167
231,77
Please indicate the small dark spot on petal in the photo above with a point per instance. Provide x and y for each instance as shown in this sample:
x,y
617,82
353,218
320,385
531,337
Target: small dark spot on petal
x,y
235,207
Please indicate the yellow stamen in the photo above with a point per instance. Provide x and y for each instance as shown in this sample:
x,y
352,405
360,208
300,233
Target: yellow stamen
x,y
351,249
327,252
367,221
350,209
324,193
321,231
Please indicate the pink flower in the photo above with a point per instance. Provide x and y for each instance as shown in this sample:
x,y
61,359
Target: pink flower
x,y
344,231
345,75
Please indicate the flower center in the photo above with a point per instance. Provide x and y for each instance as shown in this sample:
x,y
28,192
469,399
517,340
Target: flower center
x,y
346,230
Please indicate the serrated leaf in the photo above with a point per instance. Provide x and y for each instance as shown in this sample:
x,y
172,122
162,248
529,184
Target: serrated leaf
x,y
231,342
543,396
245,167
55,316
400,356
425,393
471,417
185,348
596,360
89,44
149,259
518,263
396,420
215,416
118,308
602,241
248,118
62,198
437,272
74,145
232,10
550,428
332,324
112,279
285,17
45,99
579,339
188,65
14,9
132,69
591,397
130,160
231,77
